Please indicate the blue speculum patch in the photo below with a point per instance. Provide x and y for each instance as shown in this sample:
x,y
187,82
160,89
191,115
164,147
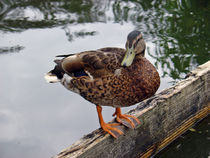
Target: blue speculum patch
x,y
80,73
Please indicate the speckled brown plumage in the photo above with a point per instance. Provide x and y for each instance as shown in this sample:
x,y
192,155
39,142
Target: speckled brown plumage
x,y
134,84
110,77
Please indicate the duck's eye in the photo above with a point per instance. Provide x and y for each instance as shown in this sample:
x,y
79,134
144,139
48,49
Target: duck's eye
x,y
137,41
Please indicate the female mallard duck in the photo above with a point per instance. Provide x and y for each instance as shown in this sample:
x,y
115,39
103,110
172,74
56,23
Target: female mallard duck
x,y
110,77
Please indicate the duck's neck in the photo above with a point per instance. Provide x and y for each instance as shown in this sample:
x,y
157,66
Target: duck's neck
x,y
140,54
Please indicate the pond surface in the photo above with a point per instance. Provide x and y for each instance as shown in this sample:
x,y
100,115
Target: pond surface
x,y
38,119
195,143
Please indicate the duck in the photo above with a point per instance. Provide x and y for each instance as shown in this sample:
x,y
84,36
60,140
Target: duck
x,y
110,76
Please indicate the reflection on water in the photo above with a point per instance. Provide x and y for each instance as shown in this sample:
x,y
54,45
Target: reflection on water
x,y
42,118
11,49
179,29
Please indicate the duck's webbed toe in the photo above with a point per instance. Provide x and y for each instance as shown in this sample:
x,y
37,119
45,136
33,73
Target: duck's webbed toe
x,y
127,120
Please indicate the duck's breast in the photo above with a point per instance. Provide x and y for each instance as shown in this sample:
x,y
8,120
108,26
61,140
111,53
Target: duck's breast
x,y
145,79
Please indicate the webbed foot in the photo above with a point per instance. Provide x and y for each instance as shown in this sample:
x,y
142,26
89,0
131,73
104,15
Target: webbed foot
x,y
127,120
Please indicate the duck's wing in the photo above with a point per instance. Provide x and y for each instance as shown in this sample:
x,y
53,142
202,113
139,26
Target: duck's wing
x,y
95,63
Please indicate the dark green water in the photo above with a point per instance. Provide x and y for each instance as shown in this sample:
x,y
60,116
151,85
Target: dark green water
x,y
195,143
39,119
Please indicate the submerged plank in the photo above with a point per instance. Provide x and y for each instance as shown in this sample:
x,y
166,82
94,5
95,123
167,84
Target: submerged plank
x,y
164,117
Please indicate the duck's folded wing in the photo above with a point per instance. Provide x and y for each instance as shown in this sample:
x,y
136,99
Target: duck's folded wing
x,y
96,63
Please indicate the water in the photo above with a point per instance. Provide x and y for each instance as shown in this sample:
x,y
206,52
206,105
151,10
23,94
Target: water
x,y
195,143
38,119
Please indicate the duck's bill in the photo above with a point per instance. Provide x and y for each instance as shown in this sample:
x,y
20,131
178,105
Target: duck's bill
x,y
128,58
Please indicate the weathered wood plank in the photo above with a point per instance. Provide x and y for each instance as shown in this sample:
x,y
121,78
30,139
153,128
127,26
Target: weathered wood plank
x,y
164,117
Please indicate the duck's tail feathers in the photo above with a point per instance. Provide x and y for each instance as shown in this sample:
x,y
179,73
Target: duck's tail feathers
x,y
51,78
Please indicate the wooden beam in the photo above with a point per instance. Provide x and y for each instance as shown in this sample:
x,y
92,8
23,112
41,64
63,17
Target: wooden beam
x,y
164,117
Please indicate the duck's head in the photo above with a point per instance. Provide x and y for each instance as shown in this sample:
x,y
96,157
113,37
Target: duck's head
x,y
135,45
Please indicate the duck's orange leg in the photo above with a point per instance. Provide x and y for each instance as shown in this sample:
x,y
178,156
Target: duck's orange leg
x,y
110,128
127,120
